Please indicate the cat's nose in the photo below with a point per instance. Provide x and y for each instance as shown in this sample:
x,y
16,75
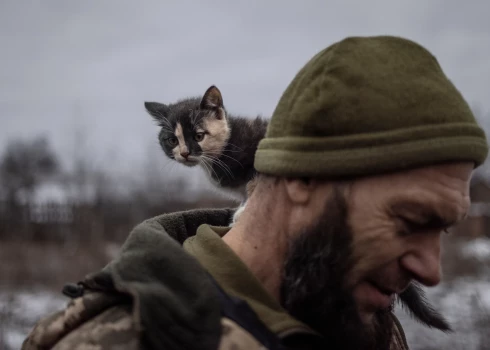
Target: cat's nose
x,y
184,154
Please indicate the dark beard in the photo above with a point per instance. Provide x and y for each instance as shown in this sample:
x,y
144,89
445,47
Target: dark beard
x,y
414,301
312,289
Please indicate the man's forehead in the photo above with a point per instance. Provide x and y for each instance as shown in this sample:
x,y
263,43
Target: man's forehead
x,y
456,176
461,171
437,194
431,213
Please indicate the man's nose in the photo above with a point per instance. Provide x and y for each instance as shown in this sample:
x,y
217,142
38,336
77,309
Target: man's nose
x,y
423,260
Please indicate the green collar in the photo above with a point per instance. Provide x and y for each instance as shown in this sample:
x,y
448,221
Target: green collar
x,y
236,279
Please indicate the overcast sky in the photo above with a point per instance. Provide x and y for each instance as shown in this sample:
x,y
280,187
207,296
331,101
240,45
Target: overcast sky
x,y
89,65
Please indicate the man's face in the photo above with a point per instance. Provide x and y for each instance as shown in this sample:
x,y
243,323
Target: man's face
x,y
367,243
397,221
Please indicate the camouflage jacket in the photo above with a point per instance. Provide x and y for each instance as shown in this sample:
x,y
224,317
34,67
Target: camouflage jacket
x,y
156,295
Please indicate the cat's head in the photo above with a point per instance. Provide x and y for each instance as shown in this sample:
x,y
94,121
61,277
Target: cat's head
x,y
192,130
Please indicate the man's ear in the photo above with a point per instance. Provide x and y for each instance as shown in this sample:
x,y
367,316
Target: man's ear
x,y
300,190
158,111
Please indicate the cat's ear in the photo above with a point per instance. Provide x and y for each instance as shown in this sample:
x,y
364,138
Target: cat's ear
x,y
158,111
212,99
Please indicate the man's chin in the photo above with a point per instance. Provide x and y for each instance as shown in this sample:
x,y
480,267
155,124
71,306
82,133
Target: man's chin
x,y
367,318
370,300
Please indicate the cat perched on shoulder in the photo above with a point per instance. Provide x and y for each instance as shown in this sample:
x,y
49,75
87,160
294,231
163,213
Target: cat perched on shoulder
x,y
199,131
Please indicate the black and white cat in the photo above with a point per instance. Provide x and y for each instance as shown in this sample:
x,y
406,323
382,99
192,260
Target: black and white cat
x,y
199,131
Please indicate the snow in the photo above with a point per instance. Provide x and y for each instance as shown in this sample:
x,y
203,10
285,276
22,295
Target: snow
x,y
14,339
463,303
464,293
478,248
19,310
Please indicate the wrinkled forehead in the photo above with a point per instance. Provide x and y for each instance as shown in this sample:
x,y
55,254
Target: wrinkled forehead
x,y
439,193
454,176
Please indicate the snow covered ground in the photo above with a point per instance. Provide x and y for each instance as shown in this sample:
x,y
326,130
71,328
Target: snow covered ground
x,y
464,301
19,310
466,305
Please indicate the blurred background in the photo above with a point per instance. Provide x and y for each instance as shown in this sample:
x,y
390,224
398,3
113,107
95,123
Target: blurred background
x,y
80,164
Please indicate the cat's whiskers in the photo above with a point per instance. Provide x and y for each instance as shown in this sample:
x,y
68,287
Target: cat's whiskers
x,y
170,166
229,150
240,149
220,164
214,161
224,155
207,159
209,167
219,150
204,166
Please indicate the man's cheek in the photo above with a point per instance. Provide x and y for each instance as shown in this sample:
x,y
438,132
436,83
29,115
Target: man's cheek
x,y
371,251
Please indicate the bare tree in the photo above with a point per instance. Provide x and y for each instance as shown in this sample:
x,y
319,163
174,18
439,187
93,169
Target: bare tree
x,y
24,165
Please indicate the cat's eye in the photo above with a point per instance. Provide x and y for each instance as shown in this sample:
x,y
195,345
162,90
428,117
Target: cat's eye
x,y
199,136
172,141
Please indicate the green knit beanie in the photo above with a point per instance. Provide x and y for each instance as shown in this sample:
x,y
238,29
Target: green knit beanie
x,y
368,105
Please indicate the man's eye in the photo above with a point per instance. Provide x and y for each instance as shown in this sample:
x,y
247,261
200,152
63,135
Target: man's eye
x,y
199,136
408,227
172,141
413,227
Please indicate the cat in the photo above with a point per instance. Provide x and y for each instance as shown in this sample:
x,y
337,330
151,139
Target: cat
x,y
199,131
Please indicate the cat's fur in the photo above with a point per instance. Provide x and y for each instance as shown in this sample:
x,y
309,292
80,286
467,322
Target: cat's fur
x,y
227,153
199,131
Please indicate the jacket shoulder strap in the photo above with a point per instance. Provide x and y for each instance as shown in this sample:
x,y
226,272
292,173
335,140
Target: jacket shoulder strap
x,y
242,314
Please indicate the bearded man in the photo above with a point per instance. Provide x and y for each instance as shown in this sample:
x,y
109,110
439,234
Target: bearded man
x,y
367,160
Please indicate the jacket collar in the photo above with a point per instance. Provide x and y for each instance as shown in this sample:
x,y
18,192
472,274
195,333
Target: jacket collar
x,y
237,280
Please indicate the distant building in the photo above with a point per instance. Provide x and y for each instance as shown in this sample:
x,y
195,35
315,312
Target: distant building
x,y
51,202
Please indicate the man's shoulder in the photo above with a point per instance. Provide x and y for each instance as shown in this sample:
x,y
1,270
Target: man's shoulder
x,y
100,321
154,290
95,318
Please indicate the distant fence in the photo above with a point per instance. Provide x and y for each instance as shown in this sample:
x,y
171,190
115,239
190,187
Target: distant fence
x,y
36,221
54,213
50,213
111,220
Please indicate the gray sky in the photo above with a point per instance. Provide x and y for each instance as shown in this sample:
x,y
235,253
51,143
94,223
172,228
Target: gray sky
x,y
89,65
